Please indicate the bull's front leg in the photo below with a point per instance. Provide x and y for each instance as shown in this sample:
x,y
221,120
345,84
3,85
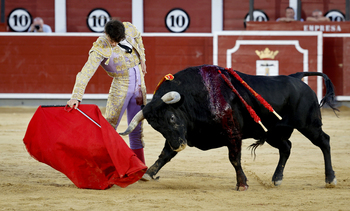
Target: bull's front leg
x,y
165,156
235,159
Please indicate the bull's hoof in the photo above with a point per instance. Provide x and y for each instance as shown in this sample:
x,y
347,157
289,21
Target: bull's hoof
x,y
146,177
242,188
277,183
331,184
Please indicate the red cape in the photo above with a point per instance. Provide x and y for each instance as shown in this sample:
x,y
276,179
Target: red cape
x,y
90,156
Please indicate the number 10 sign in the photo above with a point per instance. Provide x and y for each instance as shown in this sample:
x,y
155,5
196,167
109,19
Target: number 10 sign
x,y
97,19
19,20
177,20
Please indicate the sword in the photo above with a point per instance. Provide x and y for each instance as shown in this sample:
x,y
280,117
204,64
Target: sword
x,y
88,117
68,109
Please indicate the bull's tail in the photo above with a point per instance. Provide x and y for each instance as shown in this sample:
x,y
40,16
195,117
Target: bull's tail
x,y
329,98
255,145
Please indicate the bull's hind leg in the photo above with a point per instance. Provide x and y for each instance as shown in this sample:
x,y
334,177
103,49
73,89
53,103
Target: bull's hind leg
x,y
284,147
279,139
235,159
166,155
321,139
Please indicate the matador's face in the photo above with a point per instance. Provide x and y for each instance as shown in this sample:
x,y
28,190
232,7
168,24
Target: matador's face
x,y
113,43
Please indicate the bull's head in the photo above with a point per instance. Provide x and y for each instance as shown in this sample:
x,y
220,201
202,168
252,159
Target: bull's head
x,y
167,120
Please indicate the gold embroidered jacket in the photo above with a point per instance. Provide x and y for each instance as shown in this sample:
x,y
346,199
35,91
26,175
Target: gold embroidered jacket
x,y
113,59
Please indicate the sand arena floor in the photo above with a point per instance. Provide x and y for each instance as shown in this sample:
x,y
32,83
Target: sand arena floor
x,y
193,180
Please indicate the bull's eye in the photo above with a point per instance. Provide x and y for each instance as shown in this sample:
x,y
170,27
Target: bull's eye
x,y
172,119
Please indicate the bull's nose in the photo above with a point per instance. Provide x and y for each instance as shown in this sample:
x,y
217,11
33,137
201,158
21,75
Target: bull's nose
x,y
182,147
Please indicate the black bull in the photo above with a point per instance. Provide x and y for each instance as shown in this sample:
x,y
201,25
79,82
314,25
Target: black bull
x,y
198,108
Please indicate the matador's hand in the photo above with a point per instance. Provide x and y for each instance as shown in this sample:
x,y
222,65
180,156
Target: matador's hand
x,y
73,103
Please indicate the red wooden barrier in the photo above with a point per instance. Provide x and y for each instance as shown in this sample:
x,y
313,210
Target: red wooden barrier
x,y
32,63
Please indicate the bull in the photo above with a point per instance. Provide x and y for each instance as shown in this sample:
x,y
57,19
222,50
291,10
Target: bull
x,y
199,109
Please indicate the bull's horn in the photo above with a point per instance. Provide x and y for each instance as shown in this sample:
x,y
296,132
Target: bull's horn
x,y
171,97
134,122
